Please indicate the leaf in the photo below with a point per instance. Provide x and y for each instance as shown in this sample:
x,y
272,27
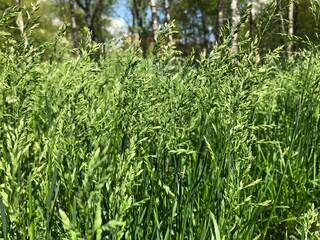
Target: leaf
x,y
215,226
174,210
168,191
65,220
4,34
166,237
112,224
97,220
52,187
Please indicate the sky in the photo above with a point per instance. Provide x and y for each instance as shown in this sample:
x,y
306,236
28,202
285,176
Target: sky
x,y
121,19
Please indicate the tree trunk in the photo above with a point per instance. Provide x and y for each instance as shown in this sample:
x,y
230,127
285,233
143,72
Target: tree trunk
x,y
168,20
234,23
134,35
88,13
133,27
251,21
20,23
279,10
154,17
92,11
204,33
219,22
141,30
290,27
89,19
73,24
295,18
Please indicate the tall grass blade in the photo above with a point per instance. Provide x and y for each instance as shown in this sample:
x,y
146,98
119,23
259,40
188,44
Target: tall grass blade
x,y
215,227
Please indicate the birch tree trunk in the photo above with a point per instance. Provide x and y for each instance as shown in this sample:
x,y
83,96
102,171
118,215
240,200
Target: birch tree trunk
x,y
20,23
154,17
168,19
290,27
251,21
234,22
73,24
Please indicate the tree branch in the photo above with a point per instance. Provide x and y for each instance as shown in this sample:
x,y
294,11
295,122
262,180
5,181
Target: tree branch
x,y
81,5
96,9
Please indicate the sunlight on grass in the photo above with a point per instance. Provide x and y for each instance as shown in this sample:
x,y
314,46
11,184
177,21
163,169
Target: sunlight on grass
x,y
121,147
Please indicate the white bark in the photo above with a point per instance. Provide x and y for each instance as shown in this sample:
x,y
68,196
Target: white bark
x,y
168,20
154,18
234,23
290,27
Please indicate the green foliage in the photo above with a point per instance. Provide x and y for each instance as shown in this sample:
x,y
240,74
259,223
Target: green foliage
x,y
271,24
38,25
129,148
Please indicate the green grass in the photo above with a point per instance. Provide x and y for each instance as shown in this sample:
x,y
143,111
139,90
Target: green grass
x,y
129,148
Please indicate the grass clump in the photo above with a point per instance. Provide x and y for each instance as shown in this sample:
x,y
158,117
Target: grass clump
x,y
128,148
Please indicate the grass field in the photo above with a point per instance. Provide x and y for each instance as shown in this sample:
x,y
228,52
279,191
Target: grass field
x,y
129,148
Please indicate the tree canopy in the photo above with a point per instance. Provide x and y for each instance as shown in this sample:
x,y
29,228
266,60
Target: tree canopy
x,y
198,23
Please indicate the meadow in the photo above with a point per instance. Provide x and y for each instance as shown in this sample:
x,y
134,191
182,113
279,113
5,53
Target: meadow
x,y
122,147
